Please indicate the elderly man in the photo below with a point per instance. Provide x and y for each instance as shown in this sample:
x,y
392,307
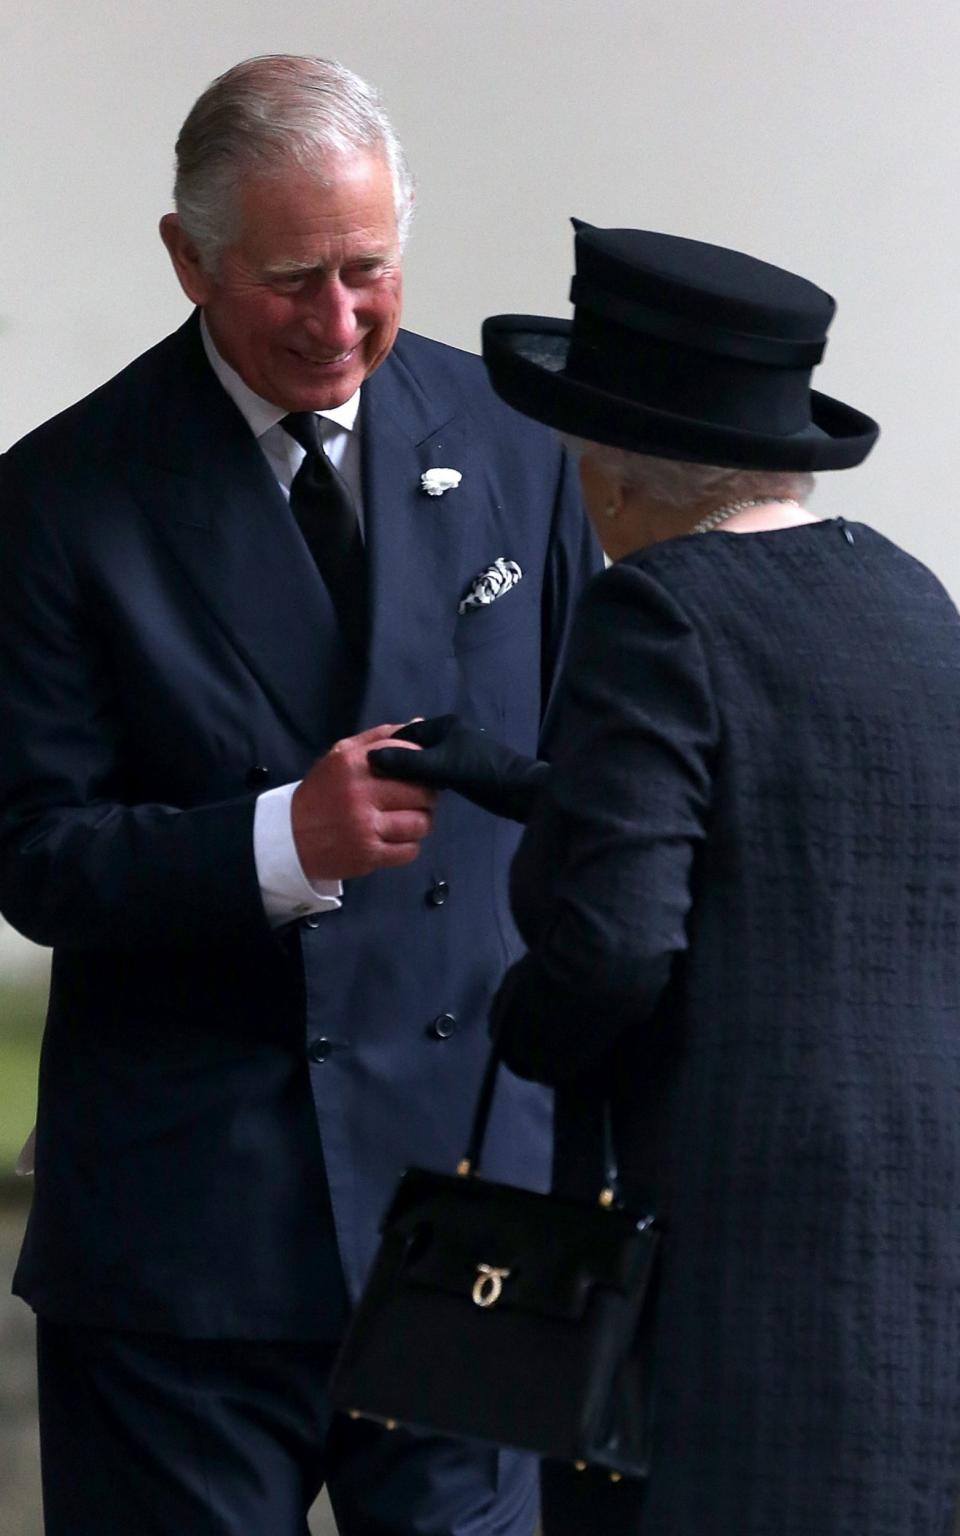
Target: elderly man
x,y
221,574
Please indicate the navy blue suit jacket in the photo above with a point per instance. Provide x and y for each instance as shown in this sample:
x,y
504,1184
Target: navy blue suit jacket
x,y
218,1100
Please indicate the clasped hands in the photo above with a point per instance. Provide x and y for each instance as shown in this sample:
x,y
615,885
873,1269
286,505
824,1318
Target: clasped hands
x,y
368,803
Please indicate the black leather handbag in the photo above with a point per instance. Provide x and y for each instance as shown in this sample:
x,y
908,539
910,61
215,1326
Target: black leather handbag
x,y
499,1314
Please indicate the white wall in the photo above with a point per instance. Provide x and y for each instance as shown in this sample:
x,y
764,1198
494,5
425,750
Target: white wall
x,y
819,135
20,959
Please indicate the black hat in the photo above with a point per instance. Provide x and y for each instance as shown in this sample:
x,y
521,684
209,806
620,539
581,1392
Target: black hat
x,y
683,350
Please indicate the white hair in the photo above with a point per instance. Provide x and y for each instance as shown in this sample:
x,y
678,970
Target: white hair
x,y
263,114
680,483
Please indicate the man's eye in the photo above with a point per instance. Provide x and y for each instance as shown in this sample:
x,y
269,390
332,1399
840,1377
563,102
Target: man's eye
x,y
364,271
286,283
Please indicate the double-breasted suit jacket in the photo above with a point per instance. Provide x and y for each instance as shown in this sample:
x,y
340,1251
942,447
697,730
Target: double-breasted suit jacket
x,y
224,1109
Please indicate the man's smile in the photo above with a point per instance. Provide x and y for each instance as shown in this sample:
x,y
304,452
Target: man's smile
x,y
339,360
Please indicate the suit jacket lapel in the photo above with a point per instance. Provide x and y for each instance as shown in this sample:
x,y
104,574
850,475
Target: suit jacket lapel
x,y
214,500
413,543
216,503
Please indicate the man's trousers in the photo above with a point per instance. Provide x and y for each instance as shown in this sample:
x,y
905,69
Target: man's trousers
x,y
145,1435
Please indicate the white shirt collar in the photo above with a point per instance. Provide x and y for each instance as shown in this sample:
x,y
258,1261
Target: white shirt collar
x,y
259,414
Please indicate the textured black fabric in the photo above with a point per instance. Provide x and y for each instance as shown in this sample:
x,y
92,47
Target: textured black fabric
x,y
740,890
327,517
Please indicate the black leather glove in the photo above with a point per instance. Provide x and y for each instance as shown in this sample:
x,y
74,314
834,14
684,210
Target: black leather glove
x,y
456,757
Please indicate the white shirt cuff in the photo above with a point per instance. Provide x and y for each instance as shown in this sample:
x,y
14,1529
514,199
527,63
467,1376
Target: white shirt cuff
x,y
286,892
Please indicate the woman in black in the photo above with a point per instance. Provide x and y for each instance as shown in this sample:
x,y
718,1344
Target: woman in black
x,y
739,889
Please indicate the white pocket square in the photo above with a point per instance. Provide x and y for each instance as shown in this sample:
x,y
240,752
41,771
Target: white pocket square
x,y
492,583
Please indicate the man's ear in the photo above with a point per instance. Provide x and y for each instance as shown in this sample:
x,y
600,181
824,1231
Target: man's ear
x,y
196,283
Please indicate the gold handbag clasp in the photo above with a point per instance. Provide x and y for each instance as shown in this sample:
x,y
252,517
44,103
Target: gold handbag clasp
x,y
488,1286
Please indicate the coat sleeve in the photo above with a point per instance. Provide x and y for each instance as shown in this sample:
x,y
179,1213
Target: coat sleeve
x,y
602,881
79,867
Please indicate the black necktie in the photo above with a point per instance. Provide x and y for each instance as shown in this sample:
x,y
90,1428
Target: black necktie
x,y
327,518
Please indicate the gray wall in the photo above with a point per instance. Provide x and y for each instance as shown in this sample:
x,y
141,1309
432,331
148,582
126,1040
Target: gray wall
x,y
819,135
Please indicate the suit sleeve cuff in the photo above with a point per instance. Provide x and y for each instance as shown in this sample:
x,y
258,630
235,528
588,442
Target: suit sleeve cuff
x,y
286,892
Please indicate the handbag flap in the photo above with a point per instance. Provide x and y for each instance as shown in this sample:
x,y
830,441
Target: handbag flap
x,y
551,1254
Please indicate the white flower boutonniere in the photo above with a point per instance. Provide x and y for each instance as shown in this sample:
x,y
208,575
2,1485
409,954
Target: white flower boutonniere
x,y
436,481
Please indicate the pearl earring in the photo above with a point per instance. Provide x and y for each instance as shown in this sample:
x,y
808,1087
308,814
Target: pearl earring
x,y
611,509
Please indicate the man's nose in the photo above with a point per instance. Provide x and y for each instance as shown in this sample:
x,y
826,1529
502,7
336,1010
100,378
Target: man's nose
x,y
330,315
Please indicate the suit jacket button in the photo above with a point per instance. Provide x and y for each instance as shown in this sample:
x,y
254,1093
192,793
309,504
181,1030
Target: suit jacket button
x,y
313,921
257,776
438,893
319,1050
443,1026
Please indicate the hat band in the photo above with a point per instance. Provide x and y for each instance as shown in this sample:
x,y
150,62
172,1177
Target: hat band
x,y
661,376
701,335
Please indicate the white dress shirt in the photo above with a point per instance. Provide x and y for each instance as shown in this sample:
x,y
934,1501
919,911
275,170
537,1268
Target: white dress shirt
x,y
287,893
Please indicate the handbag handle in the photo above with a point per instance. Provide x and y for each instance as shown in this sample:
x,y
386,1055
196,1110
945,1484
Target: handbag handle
x,y
469,1164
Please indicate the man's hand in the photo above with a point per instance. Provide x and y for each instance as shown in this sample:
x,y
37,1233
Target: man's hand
x,y
347,822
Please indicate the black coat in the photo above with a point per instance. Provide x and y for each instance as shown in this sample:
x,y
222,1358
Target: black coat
x,y
224,1111
741,893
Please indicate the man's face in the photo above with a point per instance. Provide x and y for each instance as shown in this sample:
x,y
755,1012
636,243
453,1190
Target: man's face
x,y
305,303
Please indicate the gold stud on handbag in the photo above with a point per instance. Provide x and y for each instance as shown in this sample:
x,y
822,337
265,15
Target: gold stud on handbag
x,y
499,1314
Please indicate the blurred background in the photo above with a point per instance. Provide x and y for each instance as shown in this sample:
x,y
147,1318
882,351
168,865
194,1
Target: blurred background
x,y
24,972
819,136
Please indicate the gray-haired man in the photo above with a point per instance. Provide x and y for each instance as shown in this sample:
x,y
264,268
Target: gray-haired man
x,y
220,575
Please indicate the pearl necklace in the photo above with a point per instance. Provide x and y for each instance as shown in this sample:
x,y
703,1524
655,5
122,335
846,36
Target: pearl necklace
x,y
714,519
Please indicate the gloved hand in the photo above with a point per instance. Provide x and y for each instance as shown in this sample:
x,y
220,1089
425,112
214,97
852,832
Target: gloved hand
x,y
456,757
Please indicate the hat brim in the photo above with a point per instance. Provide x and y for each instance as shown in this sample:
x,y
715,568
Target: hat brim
x,y
526,358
